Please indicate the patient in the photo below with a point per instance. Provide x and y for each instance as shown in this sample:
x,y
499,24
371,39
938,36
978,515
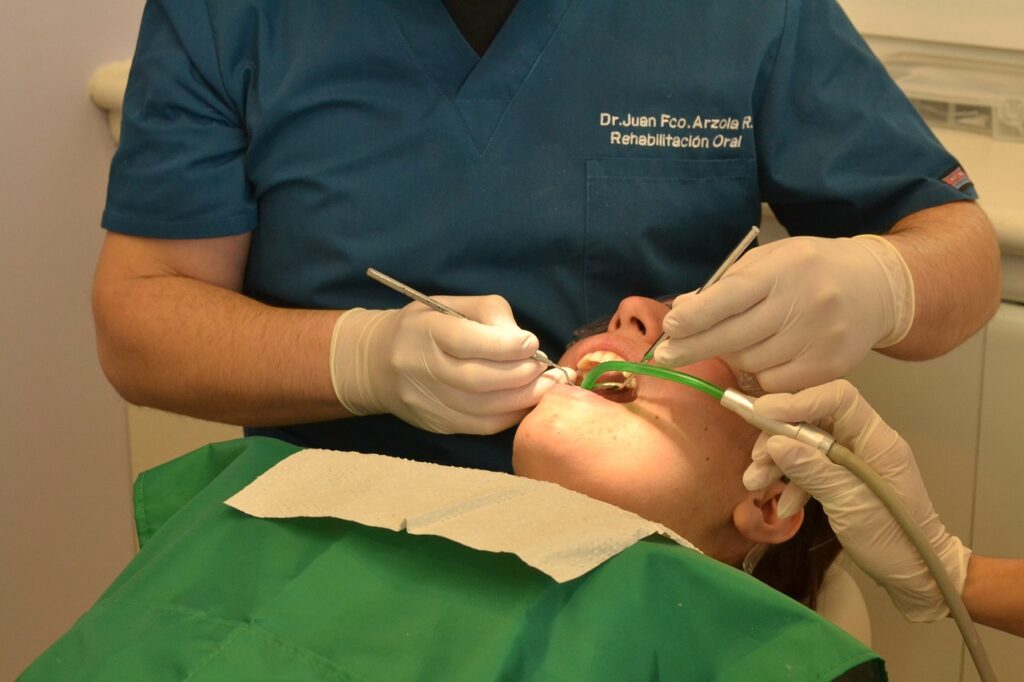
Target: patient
x,y
673,456
218,595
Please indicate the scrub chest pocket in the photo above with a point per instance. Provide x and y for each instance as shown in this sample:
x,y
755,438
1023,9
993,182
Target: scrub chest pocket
x,y
678,218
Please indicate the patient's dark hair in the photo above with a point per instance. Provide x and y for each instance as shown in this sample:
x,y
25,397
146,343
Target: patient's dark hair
x,y
797,567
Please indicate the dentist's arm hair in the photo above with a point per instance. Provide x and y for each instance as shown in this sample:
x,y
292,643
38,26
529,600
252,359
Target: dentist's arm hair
x,y
174,332
994,593
953,257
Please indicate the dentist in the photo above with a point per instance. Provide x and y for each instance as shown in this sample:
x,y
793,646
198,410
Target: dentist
x,y
540,156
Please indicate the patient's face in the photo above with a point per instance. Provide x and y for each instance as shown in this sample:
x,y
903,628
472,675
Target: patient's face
x,y
673,455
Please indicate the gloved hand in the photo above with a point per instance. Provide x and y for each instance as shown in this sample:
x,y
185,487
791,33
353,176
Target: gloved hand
x,y
796,312
438,372
864,526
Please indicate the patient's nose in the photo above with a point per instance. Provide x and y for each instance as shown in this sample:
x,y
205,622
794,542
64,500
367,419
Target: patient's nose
x,y
639,317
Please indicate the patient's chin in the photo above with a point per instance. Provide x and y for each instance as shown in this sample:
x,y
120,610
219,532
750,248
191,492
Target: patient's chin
x,y
529,464
523,449
537,454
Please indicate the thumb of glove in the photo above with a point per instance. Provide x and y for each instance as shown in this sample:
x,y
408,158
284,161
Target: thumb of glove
x,y
809,468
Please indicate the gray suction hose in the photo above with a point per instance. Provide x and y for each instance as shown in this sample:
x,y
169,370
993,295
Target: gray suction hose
x,y
743,405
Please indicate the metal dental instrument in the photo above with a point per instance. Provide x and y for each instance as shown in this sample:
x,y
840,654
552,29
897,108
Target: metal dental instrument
x,y
733,256
415,295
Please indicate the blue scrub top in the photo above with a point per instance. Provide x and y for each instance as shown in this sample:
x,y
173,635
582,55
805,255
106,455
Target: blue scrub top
x,y
598,149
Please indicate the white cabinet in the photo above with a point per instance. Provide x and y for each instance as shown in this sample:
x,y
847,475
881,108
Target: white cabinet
x,y
997,512
961,413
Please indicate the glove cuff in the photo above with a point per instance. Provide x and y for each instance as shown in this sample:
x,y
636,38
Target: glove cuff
x,y
352,346
901,285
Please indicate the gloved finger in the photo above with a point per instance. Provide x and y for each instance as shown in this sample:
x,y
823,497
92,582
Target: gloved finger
x,y
792,500
759,451
501,402
796,374
815,347
564,375
854,422
536,389
760,474
466,339
737,334
693,313
838,399
774,350
876,442
482,376
810,469
808,405
492,310
823,356
762,470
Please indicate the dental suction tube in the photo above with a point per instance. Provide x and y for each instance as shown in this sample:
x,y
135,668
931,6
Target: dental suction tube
x,y
654,371
743,405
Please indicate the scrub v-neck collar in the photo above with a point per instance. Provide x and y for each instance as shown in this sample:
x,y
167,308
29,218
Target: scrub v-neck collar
x,y
480,88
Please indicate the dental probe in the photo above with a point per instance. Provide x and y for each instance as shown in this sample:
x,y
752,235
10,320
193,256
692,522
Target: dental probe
x,y
415,295
733,256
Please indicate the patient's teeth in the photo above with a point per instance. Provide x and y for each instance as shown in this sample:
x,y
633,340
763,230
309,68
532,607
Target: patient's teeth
x,y
610,379
596,358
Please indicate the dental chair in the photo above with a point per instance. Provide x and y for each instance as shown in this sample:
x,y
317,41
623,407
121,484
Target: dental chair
x,y
841,602
215,594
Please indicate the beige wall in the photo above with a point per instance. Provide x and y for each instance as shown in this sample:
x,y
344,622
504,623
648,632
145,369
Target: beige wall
x,y
985,23
65,525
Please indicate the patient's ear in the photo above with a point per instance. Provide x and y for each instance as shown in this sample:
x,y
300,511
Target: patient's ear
x,y
756,516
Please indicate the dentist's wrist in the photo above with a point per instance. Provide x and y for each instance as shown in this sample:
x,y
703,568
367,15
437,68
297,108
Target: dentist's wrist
x,y
898,310
355,359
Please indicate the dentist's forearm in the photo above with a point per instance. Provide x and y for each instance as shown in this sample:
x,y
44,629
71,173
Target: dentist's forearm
x,y
994,593
183,345
953,256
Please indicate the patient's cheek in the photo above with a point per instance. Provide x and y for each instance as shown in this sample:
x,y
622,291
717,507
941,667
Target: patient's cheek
x,y
557,443
542,441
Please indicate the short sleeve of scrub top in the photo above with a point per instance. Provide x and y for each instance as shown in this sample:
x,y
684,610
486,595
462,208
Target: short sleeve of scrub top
x,y
179,169
840,148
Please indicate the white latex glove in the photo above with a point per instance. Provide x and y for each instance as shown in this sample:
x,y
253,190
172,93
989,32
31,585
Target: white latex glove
x,y
796,312
864,526
438,372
